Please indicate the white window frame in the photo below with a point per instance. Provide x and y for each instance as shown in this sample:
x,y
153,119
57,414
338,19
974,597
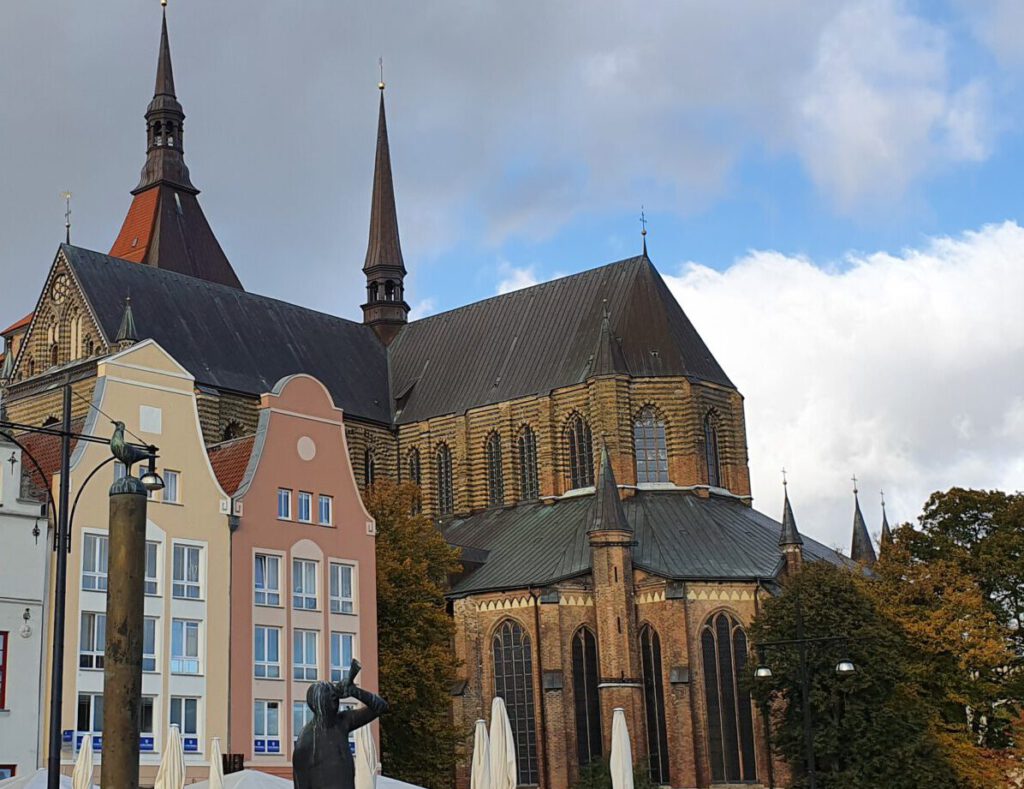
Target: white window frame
x,y
261,726
267,595
304,599
340,603
184,663
90,655
301,715
95,549
339,668
271,668
186,588
304,508
95,713
152,582
329,502
284,496
182,703
172,487
152,716
153,624
302,669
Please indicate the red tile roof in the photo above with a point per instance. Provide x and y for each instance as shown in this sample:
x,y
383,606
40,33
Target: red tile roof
x,y
18,325
46,450
229,461
132,242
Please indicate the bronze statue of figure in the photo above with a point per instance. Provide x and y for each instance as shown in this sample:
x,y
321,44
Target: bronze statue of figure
x,y
323,759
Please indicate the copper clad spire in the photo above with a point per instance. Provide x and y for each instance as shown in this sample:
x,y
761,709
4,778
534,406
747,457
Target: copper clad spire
x,y
164,72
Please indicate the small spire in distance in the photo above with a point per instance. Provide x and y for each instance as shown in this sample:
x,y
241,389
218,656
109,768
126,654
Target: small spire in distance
x,y
861,549
886,539
127,334
790,535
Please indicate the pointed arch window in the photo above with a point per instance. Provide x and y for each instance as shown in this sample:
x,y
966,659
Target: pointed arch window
x,y
529,488
369,467
413,466
654,704
579,447
711,449
445,494
730,722
53,355
585,695
650,447
513,682
495,475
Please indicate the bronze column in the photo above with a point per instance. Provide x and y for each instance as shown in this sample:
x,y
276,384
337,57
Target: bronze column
x,y
122,671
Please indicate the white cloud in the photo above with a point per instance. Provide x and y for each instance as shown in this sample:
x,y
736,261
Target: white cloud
x,y
422,308
906,369
513,278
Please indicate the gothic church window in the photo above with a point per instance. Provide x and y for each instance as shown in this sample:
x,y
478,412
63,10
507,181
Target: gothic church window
x,y
53,355
650,447
730,723
654,704
495,476
585,694
513,682
578,444
445,495
369,467
711,449
414,466
528,486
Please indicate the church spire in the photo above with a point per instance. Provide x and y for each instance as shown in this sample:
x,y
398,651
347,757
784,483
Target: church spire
x,y
886,539
861,549
385,308
790,541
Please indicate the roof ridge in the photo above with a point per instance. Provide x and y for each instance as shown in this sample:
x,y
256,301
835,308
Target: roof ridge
x,y
224,444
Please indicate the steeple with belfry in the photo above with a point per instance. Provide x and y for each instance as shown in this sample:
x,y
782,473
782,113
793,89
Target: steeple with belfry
x,y
165,226
385,308
861,549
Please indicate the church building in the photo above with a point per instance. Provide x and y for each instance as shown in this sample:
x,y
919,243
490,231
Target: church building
x,y
577,440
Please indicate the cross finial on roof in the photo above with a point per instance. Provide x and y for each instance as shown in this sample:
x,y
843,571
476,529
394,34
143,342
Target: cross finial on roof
x,y
854,478
380,64
643,228
67,216
784,481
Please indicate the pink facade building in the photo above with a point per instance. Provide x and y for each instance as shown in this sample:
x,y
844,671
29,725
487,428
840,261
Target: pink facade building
x,y
303,598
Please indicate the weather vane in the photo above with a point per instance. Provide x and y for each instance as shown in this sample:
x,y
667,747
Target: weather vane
x,y
67,216
643,222
380,64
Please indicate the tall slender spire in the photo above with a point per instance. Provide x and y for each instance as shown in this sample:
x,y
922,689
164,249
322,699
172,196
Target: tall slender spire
x,y
886,539
385,308
164,72
861,549
790,535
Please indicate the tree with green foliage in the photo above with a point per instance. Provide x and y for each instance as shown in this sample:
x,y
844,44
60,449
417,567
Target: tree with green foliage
x,y
872,729
415,634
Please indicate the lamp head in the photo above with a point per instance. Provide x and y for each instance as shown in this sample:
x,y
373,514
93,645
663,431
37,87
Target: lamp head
x,y
845,667
762,672
151,480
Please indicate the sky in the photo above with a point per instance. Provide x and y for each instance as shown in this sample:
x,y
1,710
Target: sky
x,y
831,186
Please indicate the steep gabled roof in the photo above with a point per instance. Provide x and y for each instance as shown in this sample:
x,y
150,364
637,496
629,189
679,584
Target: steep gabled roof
x,y
678,536
234,340
504,347
230,460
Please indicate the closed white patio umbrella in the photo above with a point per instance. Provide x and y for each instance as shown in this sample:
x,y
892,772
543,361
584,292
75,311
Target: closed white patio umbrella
x,y
171,774
367,765
621,762
503,748
216,779
81,777
480,777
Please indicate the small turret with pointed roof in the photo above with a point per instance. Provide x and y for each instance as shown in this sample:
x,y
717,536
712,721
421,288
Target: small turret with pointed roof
x,y
790,540
127,335
385,308
861,549
606,512
607,358
886,539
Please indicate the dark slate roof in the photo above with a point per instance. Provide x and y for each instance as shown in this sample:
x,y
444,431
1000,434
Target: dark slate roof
x,y
505,347
679,535
234,340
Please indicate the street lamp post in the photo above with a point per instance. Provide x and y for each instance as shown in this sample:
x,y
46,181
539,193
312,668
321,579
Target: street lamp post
x,y
62,545
763,672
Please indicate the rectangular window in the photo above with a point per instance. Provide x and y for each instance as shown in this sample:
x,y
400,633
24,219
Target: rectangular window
x,y
90,713
184,646
341,655
152,568
149,644
301,715
284,504
4,643
267,579
325,510
7,771
94,562
305,507
171,487
186,572
92,638
185,715
266,650
146,715
305,654
342,601
266,726
304,584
